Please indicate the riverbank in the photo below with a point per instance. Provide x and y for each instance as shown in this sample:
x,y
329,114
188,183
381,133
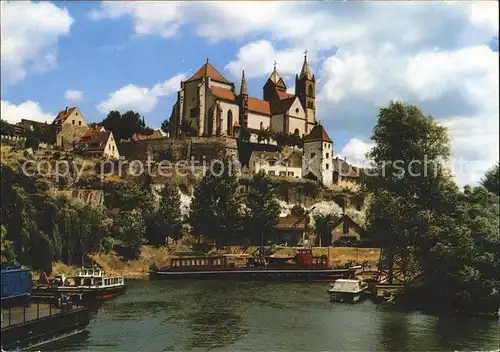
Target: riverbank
x,y
113,264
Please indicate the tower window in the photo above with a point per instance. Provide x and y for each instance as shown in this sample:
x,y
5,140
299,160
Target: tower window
x,y
230,123
297,110
313,155
327,155
310,91
327,166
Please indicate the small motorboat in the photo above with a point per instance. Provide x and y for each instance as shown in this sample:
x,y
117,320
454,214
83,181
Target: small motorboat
x,y
349,291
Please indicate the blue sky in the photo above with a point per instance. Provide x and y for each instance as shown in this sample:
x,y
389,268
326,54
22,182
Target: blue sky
x,y
440,56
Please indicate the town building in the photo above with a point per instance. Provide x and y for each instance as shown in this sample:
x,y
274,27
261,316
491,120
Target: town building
x,y
208,105
99,145
285,164
93,130
289,230
346,231
318,156
156,134
69,127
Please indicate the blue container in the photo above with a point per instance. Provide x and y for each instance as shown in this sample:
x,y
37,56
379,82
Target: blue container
x,y
16,283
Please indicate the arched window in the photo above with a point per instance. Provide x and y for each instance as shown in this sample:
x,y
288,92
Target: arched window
x,y
296,132
310,91
261,125
230,123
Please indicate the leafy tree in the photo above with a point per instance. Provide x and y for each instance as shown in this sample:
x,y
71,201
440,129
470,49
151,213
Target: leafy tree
x,y
324,225
165,126
262,209
410,186
8,255
6,128
491,179
131,229
168,218
244,134
124,126
461,270
215,213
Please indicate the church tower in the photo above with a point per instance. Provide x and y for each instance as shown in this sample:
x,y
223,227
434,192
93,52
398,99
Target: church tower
x,y
317,162
274,85
305,89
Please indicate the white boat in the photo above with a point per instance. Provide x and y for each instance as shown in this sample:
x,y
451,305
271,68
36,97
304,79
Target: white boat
x,y
350,291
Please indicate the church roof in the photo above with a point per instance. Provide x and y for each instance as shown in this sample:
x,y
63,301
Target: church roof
x,y
259,106
282,106
208,70
318,133
223,93
284,95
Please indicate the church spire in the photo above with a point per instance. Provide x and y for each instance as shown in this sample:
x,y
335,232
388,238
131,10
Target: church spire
x,y
306,71
275,77
243,90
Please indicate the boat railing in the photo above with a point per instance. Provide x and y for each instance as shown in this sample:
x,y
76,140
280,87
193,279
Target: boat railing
x,y
22,314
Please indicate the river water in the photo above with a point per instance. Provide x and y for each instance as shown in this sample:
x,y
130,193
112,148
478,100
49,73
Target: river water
x,y
246,316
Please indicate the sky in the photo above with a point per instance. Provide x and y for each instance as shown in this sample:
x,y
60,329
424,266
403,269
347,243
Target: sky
x,y
102,56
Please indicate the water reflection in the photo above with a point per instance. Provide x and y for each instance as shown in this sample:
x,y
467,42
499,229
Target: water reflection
x,y
393,331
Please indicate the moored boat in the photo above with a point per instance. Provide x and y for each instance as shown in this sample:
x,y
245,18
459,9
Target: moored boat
x,y
302,267
350,291
89,286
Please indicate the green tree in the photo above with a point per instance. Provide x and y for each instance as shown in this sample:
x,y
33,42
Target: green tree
x,y
491,179
461,270
262,209
411,188
168,219
8,255
324,225
165,126
124,126
215,213
130,228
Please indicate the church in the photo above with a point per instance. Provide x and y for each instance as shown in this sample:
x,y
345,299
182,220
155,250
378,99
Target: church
x,y
208,105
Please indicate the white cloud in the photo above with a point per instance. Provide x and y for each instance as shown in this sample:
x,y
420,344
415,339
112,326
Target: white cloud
x,y
30,32
73,95
257,59
29,110
355,152
140,99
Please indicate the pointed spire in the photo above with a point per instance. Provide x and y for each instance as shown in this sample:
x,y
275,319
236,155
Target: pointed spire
x,y
275,77
243,90
306,71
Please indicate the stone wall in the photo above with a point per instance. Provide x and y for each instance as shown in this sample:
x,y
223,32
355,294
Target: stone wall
x,y
70,134
175,149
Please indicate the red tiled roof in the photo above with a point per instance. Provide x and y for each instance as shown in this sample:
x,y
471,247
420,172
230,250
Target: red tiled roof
x,y
94,130
143,137
63,115
291,222
259,106
223,93
318,133
96,142
208,70
284,95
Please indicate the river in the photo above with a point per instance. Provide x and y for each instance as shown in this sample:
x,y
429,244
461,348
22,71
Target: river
x,y
245,316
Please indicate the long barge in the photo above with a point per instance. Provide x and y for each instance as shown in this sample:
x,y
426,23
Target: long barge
x,y
304,267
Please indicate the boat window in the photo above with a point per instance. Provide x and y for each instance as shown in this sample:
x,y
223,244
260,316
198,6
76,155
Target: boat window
x,y
96,272
98,281
86,282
